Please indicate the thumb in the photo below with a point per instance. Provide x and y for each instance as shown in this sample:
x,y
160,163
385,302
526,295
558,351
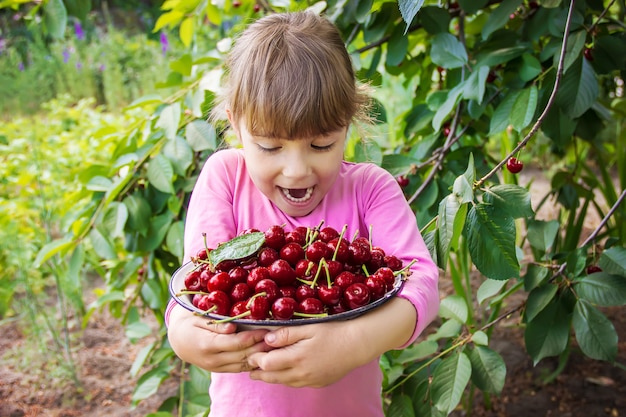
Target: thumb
x,y
283,336
222,328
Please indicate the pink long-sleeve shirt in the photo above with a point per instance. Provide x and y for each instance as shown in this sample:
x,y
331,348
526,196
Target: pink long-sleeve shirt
x,y
225,202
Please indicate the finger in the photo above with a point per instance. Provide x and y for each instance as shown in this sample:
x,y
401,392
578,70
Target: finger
x,y
222,328
286,336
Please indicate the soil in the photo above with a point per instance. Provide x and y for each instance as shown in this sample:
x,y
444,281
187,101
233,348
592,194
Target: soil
x,y
31,386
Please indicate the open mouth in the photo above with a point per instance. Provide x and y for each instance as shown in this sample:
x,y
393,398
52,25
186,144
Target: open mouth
x,y
297,195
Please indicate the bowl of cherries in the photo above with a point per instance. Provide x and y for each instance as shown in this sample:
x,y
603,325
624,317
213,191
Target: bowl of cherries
x,y
286,278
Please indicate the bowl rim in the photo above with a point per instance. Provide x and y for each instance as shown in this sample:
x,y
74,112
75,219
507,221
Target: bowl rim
x,y
181,272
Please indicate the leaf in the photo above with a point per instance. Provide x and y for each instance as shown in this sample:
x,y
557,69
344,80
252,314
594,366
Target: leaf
x,y
170,19
542,234
139,213
137,330
501,116
447,51
169,120
102,244
449,381
539,298
613,260
59,246
180,154
447,106
472,6
174,238
512,199
491,241
149,383
408,10
185,31
602,289
401,406
454,307
237,248
578,90
531,67
488,289
141,358
575,45
548,333
201,136
55,18
450,225
535,276
161,174
524,108
474,87
595,333
488,369
500,17
417,351
397,47
183,66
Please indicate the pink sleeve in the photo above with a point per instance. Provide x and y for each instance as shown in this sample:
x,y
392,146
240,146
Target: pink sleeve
x,y
395,229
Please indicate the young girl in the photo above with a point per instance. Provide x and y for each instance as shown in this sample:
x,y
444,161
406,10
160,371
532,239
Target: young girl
x,y
290,96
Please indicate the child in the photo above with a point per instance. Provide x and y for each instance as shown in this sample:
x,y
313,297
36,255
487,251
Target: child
x,y
290,97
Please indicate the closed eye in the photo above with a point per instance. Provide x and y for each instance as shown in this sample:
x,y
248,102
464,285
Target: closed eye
x,y
322,148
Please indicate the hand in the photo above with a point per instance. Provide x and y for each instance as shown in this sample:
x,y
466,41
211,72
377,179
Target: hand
x,y
210,346
318,355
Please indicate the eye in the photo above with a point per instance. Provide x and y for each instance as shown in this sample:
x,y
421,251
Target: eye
x,y
268,149
322,148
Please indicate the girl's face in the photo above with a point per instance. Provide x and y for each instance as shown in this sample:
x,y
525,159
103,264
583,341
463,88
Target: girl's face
x,y
294,174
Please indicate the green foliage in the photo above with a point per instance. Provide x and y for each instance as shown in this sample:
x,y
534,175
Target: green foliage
x,y
467,86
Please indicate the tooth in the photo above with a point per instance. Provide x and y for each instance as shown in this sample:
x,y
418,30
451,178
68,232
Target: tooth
x,y
307,195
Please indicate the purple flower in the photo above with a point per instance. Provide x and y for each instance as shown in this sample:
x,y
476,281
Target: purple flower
x,y
79,65
165,45
20,66
3,44
66,55
101,67
78,29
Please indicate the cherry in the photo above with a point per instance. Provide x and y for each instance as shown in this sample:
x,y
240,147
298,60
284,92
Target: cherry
x,y
257,274
378,249
386,274
376,261
287,291
237,275
236,4
514,165
327,234
292,252
269,287
259,308
310,306
588,53
257,7
592,269
239,308
240,292
330,296
275,237
192,280
377,286
334,268
357,295
359,253
305,291
295,237
202,255
282,272
317,250
305,269
403,181
283,308
393,262
491,77
267,256
363,242
345,279
219,282
226,265
340,249
446,130
215,302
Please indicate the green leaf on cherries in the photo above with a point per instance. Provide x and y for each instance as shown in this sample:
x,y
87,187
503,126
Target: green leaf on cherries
x,y
237,248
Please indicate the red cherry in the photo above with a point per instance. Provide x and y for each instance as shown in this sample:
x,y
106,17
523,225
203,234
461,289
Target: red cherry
x,y
318,250
216,301
446,130
357,295
283,308
295,237
259,308
514,165
226,265
192,280
330,296
345,279
257,274
240,292
237,275
202,254
236,4
403,181
257,7
376,261
393,262
377,286
588,53
282,272
386,274
305,291
267,256
311,306
359,253
491,77
288,291
219,282
292,252
305,269
334,268
342,254
269,287
592,269
239,308
275,237
327,234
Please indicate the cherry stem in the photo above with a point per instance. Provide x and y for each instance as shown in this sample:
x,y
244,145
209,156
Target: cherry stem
x,y
370,237
310,315
227,319
184,292
317,274
343,231
364,268
396,273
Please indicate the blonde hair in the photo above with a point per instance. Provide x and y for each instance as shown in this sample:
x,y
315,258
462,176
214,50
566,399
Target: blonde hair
x,y
290,76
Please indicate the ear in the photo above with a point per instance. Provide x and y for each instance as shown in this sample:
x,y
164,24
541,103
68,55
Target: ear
x,y
233,124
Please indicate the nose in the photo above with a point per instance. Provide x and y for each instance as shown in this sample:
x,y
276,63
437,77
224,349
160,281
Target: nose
x,y
296,164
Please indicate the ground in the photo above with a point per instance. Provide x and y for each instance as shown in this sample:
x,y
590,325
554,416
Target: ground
x,y
584,388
